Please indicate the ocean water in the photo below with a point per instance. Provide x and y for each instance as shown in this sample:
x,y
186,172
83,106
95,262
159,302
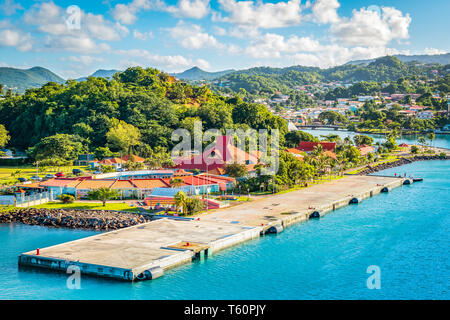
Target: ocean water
x,y
441,140
405,233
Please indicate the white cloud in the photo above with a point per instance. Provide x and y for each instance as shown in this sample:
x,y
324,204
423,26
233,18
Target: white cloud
x,y
51,20
192,36
170,63
142,35
14,38
261,15
433,51
83,59
196,9
126,13
81,44
9,7
369,28
324,11
274,45
219,31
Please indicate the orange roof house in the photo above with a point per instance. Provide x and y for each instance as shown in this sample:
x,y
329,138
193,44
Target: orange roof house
x,y
365,149
295,152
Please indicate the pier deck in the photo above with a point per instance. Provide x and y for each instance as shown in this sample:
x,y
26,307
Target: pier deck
x,y
145,251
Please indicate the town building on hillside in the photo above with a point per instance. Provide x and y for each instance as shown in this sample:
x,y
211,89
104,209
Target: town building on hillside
x,y
116,162
425,115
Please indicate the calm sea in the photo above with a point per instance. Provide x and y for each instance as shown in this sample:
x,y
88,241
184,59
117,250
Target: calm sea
x,y
405,234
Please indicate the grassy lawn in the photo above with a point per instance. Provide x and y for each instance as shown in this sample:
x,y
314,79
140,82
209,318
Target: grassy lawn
x,y
88,205
29,171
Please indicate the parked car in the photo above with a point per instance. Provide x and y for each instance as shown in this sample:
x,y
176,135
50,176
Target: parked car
x,y
120,170
22,179
97,172
49,176
77,171
59,174
36,178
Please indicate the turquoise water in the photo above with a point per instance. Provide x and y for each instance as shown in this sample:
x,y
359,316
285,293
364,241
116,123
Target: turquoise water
x,y
406,233
441,140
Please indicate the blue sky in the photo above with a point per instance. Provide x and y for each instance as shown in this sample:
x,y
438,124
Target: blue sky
x,y
75,38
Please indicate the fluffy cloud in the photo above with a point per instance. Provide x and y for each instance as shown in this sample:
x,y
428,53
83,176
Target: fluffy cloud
x,y
261,15
371,28
14,38
83,59
324,11
54,21
190,9
433,51
126,13
9,7
274,45
192,36
142,35
171,63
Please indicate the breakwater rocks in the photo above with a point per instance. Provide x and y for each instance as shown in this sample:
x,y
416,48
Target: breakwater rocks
x,y
74,219
399,162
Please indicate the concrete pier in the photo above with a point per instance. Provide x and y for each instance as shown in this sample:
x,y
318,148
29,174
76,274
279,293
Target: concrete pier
x,y
145,251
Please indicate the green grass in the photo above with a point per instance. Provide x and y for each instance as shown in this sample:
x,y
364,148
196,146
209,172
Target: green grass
x,y
29,171
88,206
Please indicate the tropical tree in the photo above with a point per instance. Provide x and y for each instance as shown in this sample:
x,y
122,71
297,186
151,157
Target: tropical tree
x,y
361,139
58,146
123,136
103,194
422,141
236,170
176,182
4,136
431,136
181,201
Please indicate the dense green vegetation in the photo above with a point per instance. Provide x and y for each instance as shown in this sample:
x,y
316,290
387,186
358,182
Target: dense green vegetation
x,y
137,110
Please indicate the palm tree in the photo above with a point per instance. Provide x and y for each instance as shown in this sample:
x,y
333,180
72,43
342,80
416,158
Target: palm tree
x,y
176,182
16,173
181,200
431,136
422,141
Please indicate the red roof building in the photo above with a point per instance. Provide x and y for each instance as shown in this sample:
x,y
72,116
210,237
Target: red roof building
x,y
308,146
221,153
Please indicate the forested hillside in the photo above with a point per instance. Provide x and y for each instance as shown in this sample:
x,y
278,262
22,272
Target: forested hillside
x,y
145,103
265,80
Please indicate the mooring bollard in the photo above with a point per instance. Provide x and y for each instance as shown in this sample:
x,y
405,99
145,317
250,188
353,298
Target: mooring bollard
x,y
37,251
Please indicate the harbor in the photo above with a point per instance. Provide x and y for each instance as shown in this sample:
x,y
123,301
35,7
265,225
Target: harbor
x,y
147,250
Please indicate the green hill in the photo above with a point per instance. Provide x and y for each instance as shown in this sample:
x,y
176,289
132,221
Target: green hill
x,y
101,73
196,73
21,79
423,58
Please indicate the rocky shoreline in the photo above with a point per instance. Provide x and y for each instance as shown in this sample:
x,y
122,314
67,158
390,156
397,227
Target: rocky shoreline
x,y
399,162
73,219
